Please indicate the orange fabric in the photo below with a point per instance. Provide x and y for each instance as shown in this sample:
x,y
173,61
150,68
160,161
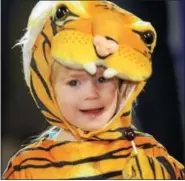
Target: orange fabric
x,y
49,159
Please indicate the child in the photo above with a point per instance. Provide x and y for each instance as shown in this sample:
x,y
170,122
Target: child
x,y
85,62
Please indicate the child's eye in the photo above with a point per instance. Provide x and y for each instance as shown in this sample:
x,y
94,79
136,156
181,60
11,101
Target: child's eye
x,y
102,80
73,83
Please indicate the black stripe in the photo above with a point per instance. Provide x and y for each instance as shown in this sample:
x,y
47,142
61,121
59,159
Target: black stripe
x,y
53,26
140,52
9,166
138,166
149,145
41,106
175,165
143,134
168,166
163,172
42,148
107,8
182,173
109,38
67,163
133,170
99,177
8,177
176,169
32,159
125,114
67,21
35,68
101,5
45,42
150,48
74,15
52,120
152,166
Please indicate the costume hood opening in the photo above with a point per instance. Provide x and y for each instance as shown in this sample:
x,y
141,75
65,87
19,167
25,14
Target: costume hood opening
x,y
83,35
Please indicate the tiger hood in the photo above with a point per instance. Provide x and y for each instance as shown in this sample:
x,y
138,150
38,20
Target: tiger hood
x,y
63,31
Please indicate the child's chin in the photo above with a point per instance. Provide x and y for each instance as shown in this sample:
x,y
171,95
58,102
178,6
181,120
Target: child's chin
x,y
94,125
94,128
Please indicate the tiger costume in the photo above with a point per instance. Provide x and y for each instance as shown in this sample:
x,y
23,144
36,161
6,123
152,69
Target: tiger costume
x,y
64,31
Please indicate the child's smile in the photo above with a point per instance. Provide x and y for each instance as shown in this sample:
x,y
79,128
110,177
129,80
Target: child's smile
x,y
93,112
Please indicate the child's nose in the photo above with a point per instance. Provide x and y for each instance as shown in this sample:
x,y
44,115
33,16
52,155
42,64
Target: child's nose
x,y
92,92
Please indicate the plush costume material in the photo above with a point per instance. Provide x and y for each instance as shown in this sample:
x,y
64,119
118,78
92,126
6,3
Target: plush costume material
x,y
64,31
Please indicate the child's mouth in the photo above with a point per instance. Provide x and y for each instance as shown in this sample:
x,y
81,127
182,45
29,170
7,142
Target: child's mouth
x,y
93,112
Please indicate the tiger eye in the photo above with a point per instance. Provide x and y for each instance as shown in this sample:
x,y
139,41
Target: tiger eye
x,y
148,37
61,12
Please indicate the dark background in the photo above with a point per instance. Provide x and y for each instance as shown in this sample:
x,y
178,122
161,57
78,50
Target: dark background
x,y
160,109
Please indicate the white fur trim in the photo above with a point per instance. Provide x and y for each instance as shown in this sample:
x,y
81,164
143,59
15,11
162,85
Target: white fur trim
x,y
39,15
109,73
90,68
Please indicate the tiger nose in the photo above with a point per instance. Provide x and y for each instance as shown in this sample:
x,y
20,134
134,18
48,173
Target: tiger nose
x,y
104,46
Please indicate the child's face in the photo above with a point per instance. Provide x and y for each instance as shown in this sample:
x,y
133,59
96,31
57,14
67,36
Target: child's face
x,y
86,101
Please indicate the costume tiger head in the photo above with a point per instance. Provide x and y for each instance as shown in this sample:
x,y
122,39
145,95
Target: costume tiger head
x,y
71,32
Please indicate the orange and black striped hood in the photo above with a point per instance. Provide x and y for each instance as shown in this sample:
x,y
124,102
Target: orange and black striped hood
x,y
67,38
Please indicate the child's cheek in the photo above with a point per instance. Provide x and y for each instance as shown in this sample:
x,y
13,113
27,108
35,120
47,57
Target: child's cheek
x,y
64,94
109,92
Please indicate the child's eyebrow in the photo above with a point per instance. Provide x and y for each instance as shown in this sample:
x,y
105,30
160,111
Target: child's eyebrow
x,y
84,74
79,74
75,75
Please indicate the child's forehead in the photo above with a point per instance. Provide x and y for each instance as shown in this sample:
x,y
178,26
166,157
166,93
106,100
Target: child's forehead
x,y
72,72
69,72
